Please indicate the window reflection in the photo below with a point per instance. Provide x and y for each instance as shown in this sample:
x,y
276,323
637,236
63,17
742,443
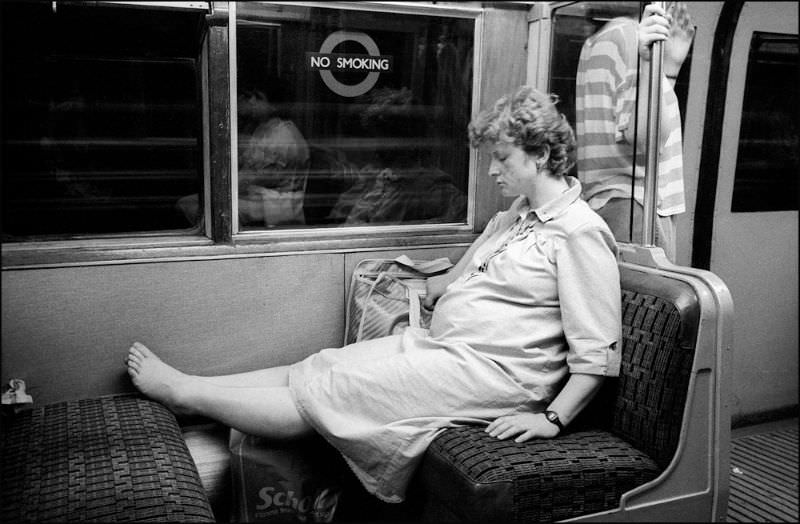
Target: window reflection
x,y
375,138
400,184
273,164
274,160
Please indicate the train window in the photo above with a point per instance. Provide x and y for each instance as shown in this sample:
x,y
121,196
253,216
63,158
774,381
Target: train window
x,y
767,162
102,120
348,117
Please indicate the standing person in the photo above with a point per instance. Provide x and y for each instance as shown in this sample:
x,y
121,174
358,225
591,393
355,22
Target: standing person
x,y
605,101
524,331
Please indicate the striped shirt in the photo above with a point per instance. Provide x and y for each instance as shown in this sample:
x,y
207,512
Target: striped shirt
x,y
605,101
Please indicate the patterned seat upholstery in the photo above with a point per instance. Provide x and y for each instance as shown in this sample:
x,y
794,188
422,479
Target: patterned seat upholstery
x,y
624,438
106,459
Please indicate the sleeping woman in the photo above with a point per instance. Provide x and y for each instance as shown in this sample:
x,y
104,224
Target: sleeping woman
x,y
524,331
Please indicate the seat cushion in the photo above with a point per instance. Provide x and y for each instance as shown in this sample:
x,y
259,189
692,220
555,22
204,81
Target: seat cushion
x,y
470,476
104,459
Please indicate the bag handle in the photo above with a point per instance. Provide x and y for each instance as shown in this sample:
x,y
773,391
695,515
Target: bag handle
x,y
360,332
414,304
426,267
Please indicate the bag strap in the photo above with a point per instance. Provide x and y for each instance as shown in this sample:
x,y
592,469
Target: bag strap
x,y
364,309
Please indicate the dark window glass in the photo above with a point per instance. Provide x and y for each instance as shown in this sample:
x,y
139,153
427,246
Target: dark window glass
x,y
767,162
349,117
101,119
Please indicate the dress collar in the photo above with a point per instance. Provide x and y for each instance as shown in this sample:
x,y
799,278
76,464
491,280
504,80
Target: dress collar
x,y
554,207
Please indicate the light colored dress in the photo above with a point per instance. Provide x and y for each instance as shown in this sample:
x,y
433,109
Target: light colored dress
x,y
540,299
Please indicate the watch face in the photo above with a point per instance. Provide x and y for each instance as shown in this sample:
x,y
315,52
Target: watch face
x,y
552,416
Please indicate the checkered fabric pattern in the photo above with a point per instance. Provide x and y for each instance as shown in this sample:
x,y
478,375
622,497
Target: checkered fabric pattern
x,y
107,459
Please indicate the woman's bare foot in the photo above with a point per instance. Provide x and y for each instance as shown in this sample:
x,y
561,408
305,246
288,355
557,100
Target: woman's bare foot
x,y
158,380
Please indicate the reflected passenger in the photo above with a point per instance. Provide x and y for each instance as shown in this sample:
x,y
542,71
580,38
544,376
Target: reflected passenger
x,y
273,167
400,183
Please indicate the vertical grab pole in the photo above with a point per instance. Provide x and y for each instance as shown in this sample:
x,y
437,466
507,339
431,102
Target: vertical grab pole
x,y
653,141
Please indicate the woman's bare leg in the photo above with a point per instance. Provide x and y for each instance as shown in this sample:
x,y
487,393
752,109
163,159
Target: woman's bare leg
x,y
277,376
263,411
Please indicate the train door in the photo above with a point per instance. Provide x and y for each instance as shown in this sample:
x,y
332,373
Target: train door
x,y
754,247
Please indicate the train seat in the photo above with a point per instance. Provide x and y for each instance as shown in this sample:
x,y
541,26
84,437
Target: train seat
x,y
106,459
648,445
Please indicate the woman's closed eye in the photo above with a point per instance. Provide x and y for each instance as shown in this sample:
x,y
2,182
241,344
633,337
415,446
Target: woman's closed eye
x,y
500,157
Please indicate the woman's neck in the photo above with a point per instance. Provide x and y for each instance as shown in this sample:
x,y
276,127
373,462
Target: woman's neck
x,y
546,188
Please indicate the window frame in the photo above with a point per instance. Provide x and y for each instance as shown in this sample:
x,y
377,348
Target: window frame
x,y
219,236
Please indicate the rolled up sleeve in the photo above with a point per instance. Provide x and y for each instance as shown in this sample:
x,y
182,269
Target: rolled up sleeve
x,y
590,298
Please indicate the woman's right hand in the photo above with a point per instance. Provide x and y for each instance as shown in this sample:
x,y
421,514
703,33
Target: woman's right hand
x,y
435,287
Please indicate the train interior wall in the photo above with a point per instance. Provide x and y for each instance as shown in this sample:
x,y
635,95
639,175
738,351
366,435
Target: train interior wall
x,y
66,331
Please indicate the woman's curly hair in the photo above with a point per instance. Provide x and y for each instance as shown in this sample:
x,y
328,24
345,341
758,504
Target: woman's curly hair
x,y
528,118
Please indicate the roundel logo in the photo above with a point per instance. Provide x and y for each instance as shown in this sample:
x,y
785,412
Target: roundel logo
x,y
328,63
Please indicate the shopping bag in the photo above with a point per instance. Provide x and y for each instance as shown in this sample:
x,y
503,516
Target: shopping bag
x,y
385,296
282,481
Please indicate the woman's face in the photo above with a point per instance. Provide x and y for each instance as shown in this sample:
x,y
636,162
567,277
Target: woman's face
x,y
513,169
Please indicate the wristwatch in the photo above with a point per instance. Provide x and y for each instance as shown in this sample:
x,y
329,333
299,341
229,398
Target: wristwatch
x,y
552,417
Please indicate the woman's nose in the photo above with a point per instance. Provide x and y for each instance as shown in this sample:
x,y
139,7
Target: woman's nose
x,y
494,169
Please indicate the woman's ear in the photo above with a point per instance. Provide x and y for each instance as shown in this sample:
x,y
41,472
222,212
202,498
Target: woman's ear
x,y
543,157
545,153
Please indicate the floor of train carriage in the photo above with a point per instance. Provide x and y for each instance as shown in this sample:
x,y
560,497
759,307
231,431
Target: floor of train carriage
x,y
764,470
763,478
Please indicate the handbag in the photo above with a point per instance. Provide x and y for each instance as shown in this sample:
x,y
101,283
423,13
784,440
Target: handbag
x,y
385,296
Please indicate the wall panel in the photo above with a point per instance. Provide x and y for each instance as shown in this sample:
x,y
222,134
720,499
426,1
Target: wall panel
x,y
66,331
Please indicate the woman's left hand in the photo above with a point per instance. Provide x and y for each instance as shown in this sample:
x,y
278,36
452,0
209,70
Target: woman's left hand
x,y
525,425
435,288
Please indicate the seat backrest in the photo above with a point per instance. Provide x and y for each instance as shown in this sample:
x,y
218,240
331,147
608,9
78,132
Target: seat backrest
x,y
660,322
671,399
645,405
